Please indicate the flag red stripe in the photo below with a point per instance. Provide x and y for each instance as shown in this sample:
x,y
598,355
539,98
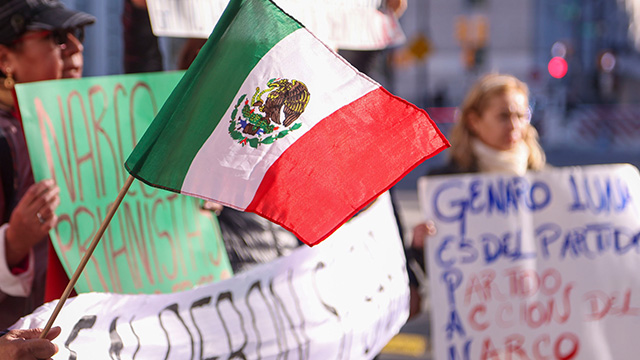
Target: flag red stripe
x,y
344,162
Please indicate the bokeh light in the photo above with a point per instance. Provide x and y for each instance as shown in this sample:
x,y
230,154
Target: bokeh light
x,y
557,67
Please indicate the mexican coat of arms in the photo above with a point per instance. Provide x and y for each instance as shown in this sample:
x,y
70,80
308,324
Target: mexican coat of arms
x,y
261,121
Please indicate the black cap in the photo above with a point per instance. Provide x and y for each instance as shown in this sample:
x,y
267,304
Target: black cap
x,y
19,16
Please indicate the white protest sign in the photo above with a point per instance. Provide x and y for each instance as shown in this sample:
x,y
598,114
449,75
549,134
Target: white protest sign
x,y
342,299
537,267
344,24
185,18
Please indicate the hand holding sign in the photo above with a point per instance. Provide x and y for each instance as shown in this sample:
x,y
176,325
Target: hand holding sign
x,y
31,220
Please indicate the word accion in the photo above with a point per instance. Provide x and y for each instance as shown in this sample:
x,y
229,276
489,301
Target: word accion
x,y
533,314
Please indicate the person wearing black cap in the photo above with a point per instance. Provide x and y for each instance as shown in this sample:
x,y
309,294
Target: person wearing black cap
x,y
39,40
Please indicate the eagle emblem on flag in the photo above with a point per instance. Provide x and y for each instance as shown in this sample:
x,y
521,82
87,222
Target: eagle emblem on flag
x,y
265,121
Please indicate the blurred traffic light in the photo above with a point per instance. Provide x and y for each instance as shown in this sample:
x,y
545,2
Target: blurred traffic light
x,y
557,67
482,30
461,29
559,48
607,79
472,33
606,61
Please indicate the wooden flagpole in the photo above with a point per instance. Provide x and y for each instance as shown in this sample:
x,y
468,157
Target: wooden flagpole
x,y
87,255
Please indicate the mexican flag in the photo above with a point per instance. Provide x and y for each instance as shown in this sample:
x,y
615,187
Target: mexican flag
x,y
269,120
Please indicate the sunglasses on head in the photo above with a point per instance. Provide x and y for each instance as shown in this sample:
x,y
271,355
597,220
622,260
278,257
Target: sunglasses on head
x,y
59,36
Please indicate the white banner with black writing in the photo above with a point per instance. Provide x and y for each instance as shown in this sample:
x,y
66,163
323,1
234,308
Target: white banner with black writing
x,y
543,266
342,299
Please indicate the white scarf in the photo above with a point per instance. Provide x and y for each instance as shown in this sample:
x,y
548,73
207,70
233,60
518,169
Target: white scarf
x,y
514,161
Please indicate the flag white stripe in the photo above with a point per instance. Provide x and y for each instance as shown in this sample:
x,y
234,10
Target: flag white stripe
x,y
332,83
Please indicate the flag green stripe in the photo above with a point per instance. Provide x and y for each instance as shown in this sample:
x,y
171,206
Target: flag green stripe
x,y
200,100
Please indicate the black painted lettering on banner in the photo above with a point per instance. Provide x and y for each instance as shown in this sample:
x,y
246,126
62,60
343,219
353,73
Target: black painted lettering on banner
x,y
228,296
198,304
86,322
116,340
173,308
137,337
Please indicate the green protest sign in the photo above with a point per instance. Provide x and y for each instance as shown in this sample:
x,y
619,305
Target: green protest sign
x,y
80,132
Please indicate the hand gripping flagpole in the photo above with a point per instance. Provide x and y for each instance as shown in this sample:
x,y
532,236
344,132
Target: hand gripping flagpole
x,y
87,256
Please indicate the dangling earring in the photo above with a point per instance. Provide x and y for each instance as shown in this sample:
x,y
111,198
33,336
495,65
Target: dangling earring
x,y
9,83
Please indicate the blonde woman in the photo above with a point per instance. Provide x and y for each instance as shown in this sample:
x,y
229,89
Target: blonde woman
x,y
492,133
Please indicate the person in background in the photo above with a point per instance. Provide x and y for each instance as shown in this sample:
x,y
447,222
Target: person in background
x,y
364,60
27,345
492,133
39,40
189,51
141,48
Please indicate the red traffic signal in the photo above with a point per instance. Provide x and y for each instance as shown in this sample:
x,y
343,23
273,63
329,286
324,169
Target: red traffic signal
x,y
557,67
